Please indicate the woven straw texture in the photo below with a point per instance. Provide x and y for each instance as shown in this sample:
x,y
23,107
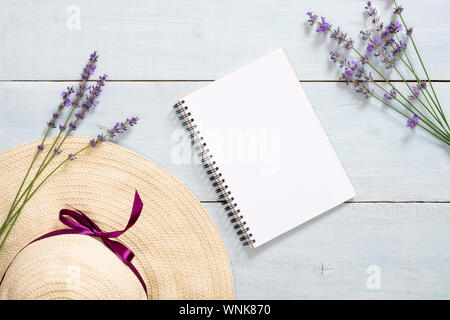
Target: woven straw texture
x,y
179,251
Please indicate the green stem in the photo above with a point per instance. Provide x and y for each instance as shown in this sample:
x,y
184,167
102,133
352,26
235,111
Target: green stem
x,y
410,67
387,104
29,170
424,119
15,216
44,164
398,91
421,102
423,65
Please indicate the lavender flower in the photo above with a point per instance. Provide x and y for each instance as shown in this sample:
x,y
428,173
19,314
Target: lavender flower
x,y
119,128
312,18
338,35
72,126
94,92
101,138
79,115
409,31
372,11
422,85
385,44
348,44
398,10
51,124
26,191
364,59
87,72
351,67
394,27
334,56
391,95
416,92
413,121
365,35
90,67
323,26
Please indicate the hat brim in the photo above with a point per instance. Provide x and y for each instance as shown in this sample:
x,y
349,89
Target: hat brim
x,y
178,249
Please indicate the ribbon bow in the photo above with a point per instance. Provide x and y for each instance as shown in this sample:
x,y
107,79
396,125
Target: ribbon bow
x,y
81,224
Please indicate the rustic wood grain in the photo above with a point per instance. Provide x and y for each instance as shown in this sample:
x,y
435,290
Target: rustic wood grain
x,y
386,161
328,258
160,50
200,39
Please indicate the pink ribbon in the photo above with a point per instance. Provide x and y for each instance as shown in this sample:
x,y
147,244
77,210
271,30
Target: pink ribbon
x,y
81,224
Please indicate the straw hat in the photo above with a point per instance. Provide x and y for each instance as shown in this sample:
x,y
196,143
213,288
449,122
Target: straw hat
x,y
178,250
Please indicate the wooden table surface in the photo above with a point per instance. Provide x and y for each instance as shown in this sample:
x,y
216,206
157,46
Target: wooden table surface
x,y
398,225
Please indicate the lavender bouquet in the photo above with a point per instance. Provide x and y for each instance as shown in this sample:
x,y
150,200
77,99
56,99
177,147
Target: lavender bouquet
x,y
386,45
78,104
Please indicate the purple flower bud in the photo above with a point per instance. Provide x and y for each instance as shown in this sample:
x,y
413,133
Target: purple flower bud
x,y
394,27
364,35
349,44
372,11
55,116
323,26
416,90
72,126
398,10
409,31
51,124
62,128
67,102
40,147
93,143
101,138
57,151
364,59
71,157
312,17
79,115
377,41
413,121
422,85
370,48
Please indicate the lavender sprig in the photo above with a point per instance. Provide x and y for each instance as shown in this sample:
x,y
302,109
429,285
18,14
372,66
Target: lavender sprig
x,y
71,122
385,45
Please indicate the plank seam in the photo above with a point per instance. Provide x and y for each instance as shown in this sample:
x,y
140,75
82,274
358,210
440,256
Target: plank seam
x,y
198,80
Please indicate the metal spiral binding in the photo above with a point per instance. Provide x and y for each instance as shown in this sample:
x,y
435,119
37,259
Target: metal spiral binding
x,y
212,170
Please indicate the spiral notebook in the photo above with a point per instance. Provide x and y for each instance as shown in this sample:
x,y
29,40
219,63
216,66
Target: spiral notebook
x,y
264,149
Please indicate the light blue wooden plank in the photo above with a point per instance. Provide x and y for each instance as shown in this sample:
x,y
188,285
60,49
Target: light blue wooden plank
x,y
200,39
328,258
385,160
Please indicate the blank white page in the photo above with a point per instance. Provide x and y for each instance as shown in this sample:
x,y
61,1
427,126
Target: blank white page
x,y
270,147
